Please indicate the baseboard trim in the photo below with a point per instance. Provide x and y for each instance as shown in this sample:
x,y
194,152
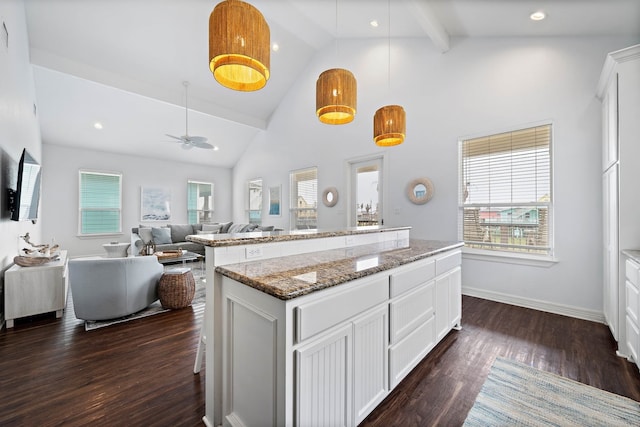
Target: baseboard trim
x,y
549,307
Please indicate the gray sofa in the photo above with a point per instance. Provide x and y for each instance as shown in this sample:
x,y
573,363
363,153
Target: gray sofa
x,y
173,236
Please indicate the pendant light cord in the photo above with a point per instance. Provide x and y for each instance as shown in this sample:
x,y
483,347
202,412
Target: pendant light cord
x,y
186,108
337,53
389,46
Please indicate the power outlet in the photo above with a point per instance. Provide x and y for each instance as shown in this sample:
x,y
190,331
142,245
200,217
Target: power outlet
x,y
253,252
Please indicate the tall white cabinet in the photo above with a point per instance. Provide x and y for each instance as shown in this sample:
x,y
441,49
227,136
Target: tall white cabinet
x,y
619,90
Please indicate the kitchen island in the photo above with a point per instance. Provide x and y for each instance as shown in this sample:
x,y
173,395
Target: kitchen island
x,y
322,332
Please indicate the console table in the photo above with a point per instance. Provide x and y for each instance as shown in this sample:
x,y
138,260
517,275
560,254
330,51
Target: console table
x,y
36,290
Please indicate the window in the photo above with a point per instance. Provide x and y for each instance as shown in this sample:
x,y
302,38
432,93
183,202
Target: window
x,y
100,203
199,202
505,191
304,199
255,201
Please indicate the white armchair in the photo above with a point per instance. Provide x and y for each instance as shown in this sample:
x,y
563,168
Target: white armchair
x,y
108,288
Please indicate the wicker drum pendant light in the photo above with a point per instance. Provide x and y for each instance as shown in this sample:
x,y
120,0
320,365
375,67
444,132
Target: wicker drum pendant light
x,y
239,46
336,93
336,96
389,122
389,126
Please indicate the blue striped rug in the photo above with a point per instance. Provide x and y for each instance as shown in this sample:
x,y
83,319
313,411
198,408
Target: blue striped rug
x,y
518,395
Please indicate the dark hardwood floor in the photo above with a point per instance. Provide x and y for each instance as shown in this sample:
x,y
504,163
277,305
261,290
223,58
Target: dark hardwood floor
x,y
139,373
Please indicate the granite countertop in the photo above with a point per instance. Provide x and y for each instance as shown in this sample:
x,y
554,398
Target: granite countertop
x,y
234,239
634,254
296,275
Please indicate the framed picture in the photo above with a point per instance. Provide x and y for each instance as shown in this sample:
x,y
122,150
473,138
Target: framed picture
x,y
155,204
274,200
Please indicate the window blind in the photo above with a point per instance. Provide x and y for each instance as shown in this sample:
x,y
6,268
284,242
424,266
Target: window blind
x,y
304,199
505,191
100,203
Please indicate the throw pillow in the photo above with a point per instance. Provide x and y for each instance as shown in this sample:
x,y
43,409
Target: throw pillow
x,y
145,234
225,226
179,232
237,228
161,236
248,228
264,228
211,228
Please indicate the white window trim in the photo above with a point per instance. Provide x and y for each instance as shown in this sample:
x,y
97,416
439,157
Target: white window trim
x,y
97,235
505,256
293,206
212,210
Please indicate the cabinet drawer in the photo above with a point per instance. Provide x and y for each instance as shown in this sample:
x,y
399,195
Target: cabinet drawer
x,y
321,314
633,301
631,271
406,354
412,276
448,262
633,339
411,310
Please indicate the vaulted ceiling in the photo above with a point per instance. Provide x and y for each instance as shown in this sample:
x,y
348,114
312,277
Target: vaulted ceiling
x,y
122,62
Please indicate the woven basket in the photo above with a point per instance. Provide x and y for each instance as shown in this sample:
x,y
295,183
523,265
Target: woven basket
x,y
176,290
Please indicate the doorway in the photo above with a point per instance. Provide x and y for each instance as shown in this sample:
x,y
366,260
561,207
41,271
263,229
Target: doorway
x,y
366,192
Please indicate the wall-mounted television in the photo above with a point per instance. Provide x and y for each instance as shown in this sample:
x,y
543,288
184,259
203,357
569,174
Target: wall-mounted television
x,y
24,201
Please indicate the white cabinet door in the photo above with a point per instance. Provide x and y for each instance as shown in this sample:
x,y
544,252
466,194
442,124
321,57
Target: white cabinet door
x,y
633,340
370,366
610,249
324,373
455,297
610,124
442,306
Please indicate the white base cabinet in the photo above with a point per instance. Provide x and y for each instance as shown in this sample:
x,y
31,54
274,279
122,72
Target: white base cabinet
x,y
36,290
632,294
330,357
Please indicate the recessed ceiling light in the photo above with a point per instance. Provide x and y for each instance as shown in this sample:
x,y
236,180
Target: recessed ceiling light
x,y
216,148
374,23
275,47
537,16
97,125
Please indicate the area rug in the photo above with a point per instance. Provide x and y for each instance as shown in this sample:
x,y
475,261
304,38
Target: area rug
x,y
518,395
155,308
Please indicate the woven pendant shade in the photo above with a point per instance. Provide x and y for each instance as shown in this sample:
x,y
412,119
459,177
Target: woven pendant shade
x,y
239,46
336,94
389,126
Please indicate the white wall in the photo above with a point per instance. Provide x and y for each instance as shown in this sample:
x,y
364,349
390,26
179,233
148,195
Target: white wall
x,y
480,85
60,192
18,126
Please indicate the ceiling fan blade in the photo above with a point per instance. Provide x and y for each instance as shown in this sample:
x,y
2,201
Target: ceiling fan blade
x,y
196,139
202,144
175,137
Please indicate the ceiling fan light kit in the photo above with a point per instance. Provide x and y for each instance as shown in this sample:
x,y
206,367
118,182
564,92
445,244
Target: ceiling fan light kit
x,y
188,141
239,46
336,96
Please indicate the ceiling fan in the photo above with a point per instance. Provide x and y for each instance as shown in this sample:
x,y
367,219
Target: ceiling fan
x,y
188,141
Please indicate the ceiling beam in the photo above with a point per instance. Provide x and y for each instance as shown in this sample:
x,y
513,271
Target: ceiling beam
x,y
431,24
